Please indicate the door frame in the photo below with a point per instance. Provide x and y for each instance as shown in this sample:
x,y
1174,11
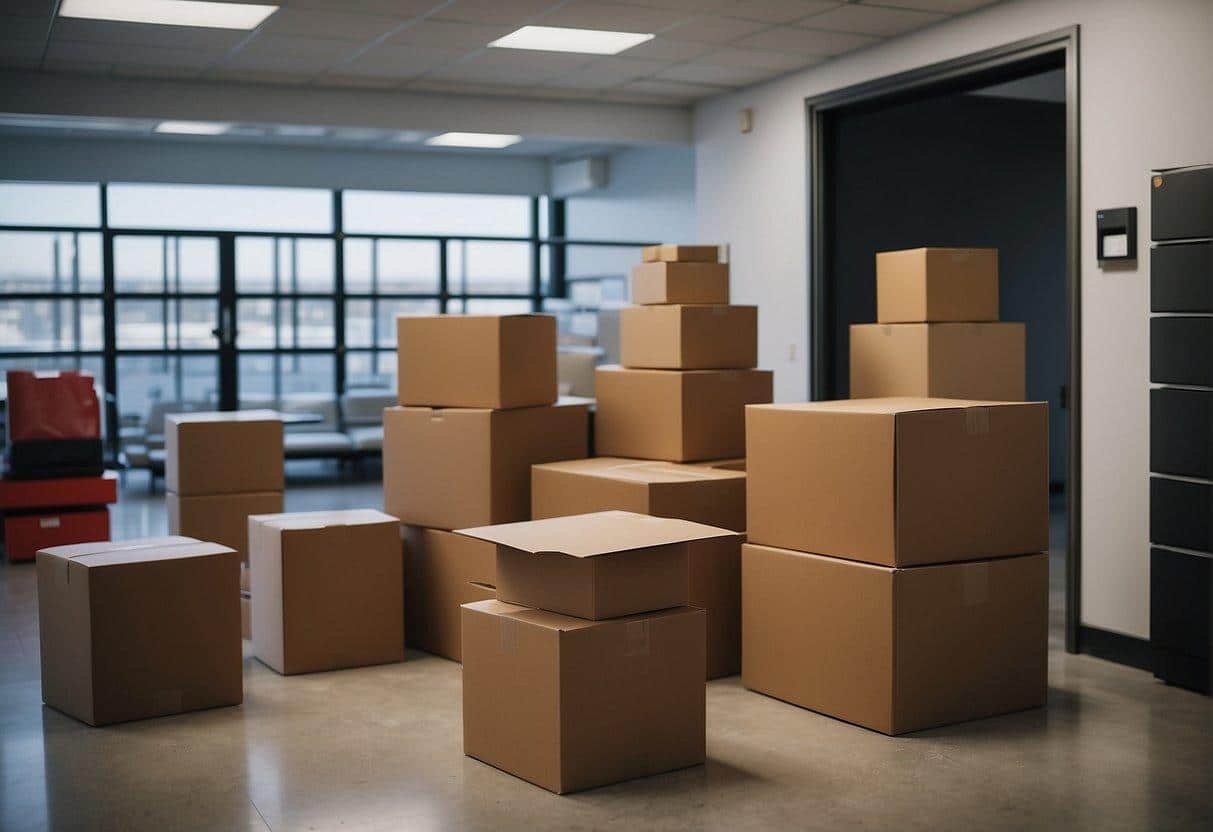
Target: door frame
x,y
959,73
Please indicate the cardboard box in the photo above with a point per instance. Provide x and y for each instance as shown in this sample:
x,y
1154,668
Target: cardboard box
x,y
329,590
223,453
715,574
696,337
495,361
947,361
139,628
221,518
447,469
679,416
937,284
680,283
672,253
601,565
442,572
895,650
575,370
900,482
662,489
246,616
737,464
570,704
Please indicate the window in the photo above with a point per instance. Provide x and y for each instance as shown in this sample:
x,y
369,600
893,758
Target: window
x,y
219,207
448,215
53,204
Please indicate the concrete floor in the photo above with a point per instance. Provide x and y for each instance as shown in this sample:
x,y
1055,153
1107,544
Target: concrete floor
x,y
381,748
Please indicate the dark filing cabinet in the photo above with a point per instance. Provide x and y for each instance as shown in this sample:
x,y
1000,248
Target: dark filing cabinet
x,y
1181,426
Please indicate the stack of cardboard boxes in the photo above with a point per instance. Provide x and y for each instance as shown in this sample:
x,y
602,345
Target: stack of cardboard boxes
x,y
588,669
478,407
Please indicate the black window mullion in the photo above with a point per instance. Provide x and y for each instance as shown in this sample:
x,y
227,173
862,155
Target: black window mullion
x,y
110,328
339,311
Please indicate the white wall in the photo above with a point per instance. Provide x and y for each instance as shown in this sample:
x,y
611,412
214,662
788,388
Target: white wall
x,y
650,195
1145,70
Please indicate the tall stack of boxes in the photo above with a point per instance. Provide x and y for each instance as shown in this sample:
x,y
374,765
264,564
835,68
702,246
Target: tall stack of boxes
x,y
588,669
478,407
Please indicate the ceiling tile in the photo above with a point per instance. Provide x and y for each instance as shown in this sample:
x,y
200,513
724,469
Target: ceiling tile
x,y
945,6
157,71
56,64
449,33
705,73
871,20
386,8
592,14
496,12
20,27
510,66
673,89
129,53
373,82
283,53
30,8
699,6
806,41
777,11
759,59
23,53
106,31
660,49
260,76
398,62
711,29
608,72
318,23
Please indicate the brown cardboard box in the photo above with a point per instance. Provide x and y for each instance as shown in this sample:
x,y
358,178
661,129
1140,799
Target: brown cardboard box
x,y
329,590
139,628
246,615
601,565
694,337
737,464
947,361
221,518
672,253
570,704
662,489
680,283
715,569
450,468
442,572
895,650
223,453
937,284
900,482
494,361
674,415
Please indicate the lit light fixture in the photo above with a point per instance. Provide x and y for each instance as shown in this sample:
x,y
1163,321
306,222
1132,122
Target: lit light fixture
x,y
193,128
559,39
494,140
171,12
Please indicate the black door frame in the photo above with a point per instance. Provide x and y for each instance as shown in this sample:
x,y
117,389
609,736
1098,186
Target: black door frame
x,y
978,69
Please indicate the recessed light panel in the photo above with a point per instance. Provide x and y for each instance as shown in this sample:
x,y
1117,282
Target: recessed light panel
x,y
559,39
490,140
171,12
193,128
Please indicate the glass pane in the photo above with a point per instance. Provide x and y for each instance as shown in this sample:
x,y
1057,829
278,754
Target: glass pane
x,y
44,261
256,323
195,262
258,375
166,324
166,264
46,203
50,325
315,323
314,263
272,380
489,306
229,207
254,264
358,265
300,264
361,330
490,268
407,266
387,212
306,322
371,369
165,380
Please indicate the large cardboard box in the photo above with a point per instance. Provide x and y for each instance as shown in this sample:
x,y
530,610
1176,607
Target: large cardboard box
x,y
570,704
679,416
451,468
948,361
495,361
899,482
662,489
937,284
220,518
223,453
442,572
689,337
329,589
680,283
715,574
674,253
895,650
600,565
139,628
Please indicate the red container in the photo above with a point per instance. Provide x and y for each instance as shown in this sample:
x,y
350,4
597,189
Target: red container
x,y
60,405
64,492
25,534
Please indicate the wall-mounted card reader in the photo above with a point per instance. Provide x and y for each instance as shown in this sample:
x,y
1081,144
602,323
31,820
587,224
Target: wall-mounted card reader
x,y
1116,234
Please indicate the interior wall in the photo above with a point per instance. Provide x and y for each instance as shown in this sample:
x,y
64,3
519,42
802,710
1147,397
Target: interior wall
x,y
1145,73
650,195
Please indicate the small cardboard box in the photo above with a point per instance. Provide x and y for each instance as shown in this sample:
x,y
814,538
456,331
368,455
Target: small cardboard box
x,y
937,284
139,628
680,283
689,337
673,253
662,489
223,453
495,361
899,482
220,518
442,572
570,704
451,468
947,361
895,650
601,565
329,590
679,416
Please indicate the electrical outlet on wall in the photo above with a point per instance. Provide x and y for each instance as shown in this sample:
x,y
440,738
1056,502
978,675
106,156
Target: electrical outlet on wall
x,y
792,352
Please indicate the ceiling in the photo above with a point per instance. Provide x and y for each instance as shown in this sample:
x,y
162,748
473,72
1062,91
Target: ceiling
x,y
702,47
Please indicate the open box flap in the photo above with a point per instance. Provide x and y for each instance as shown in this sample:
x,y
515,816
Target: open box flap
x,y
599,533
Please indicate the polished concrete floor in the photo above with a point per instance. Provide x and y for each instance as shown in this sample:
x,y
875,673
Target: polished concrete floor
x,y
380,748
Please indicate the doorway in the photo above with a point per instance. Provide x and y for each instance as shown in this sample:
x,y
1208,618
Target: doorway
x,y
977,152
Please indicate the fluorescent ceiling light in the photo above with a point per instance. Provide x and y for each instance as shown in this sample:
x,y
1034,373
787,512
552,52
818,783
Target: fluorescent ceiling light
x,y
559,39
474,140
170,12
193,128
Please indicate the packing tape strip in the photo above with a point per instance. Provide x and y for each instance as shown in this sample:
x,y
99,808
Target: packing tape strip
x,y
975,583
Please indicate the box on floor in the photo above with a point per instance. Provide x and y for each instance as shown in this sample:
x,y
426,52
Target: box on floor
x,y
937,284
442,572
222,518
223,453
689,337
